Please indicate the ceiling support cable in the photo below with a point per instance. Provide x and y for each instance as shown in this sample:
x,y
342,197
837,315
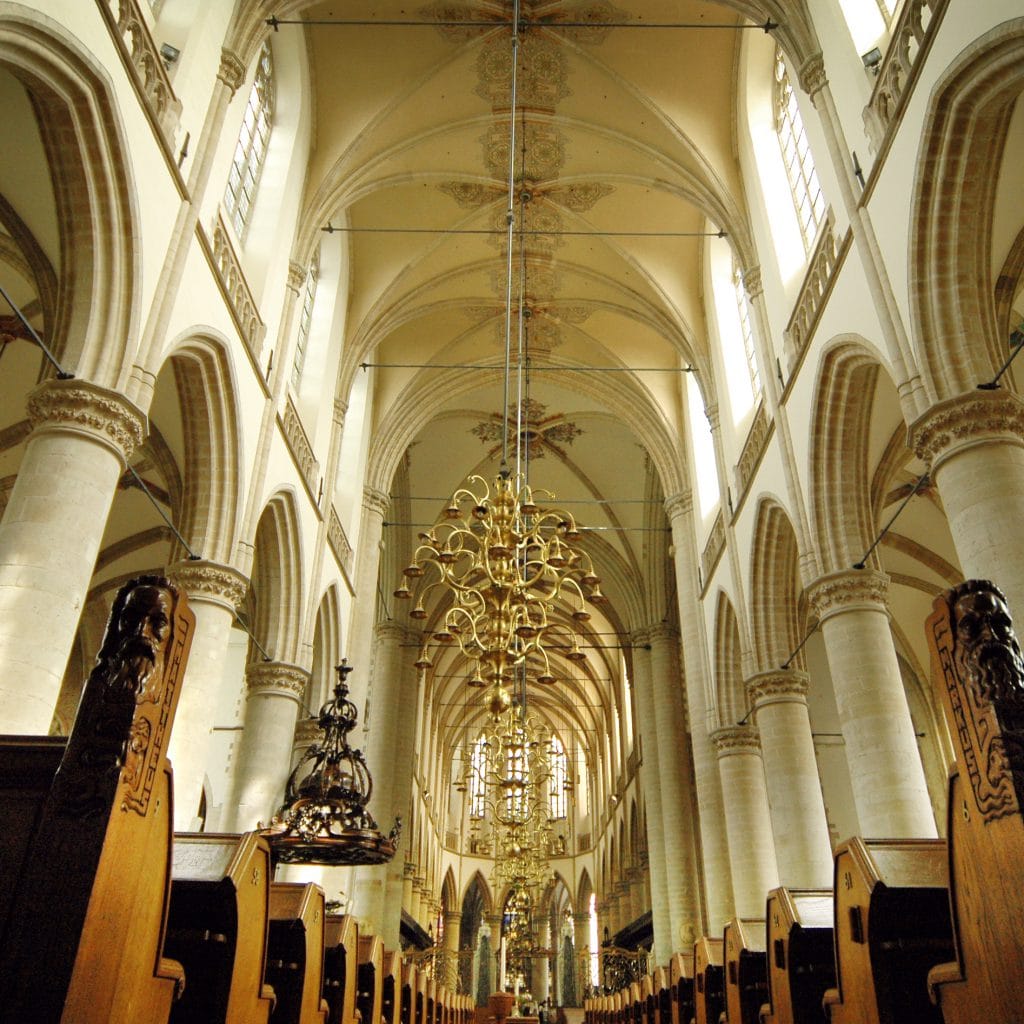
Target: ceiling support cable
x,y
552,26
533,369
330,229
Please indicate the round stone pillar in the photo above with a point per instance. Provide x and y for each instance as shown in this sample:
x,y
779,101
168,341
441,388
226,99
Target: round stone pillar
x,y
82,437
974,447
214,592
542,965
802,844
651,776
581,952
748,822
675,775
274,692
885,766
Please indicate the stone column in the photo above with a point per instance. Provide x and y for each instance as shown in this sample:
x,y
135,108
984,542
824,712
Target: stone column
x,y
651,776
82,437
675,776
885,767
799,824
274,693
493,922
581,950
364,607
452,925
974,447
714,844
214,593
542,965
747,819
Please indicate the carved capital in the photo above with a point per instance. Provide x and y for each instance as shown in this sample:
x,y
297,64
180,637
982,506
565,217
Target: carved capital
x,y
713,416
640,637
296,276
736,739
76,406
661,633
375,501
391,632
752,283
812,75
678,505
968,420
779,687
275,678
231,71
848,590
210,582
307,732
340,408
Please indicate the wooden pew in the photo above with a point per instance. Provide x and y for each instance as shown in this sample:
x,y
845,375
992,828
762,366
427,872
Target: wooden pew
x,y
746,970
86,888
801,955
647,999
217,928
662,996
341,957
391,988
295,953
709,980
681,980
370,977
982,982
636,1003
410,984
891,927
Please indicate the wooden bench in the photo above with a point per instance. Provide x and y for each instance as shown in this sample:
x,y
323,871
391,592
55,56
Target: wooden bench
x,y
410,983
341,958
87,869
647,996
985,830
680,970
662,996
391,988
891,927
801,955
746,970
217,928
709,980
295,953
370,978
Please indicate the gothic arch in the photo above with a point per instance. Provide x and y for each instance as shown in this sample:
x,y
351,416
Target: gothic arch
x,y
96,309
730,695
774,587
952,293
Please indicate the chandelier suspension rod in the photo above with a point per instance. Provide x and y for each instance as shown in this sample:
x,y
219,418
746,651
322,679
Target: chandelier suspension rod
x,y
510,216
275,23
561,501
541,368
582,529
330,229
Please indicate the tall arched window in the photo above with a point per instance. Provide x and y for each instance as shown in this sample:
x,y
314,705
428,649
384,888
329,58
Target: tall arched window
x,y
796,154
305,320
252,144
477,785
745,330
558,792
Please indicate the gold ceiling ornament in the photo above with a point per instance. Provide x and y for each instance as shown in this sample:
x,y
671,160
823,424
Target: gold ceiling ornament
x,y
506,564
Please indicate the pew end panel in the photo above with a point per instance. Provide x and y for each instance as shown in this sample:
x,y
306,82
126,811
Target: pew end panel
x,y
370,978
891,927
681,971
391,988
341,963
295,952
746,969
709,980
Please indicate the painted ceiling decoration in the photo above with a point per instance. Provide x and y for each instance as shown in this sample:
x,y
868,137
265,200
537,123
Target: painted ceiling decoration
x,y
539,432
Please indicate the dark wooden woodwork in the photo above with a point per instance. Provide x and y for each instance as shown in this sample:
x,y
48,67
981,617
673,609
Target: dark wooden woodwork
x,y
682,987
341,958
891,927
391,989
409,986
370,978
801,955
746,970
217,928
662,997
295,953
709,980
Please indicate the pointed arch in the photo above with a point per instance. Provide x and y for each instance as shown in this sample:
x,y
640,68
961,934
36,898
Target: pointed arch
x,y
730,695
774,587
952,291
327,648
277,578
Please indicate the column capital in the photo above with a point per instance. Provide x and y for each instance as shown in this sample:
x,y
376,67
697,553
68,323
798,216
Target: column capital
x,y
392,631
812,75
640,637
231,70
752,283
782,686
307,732
736,739
971,419
375,501
296,276
848,590
340,409
275,678
660,632
211,582
78,406
678,505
